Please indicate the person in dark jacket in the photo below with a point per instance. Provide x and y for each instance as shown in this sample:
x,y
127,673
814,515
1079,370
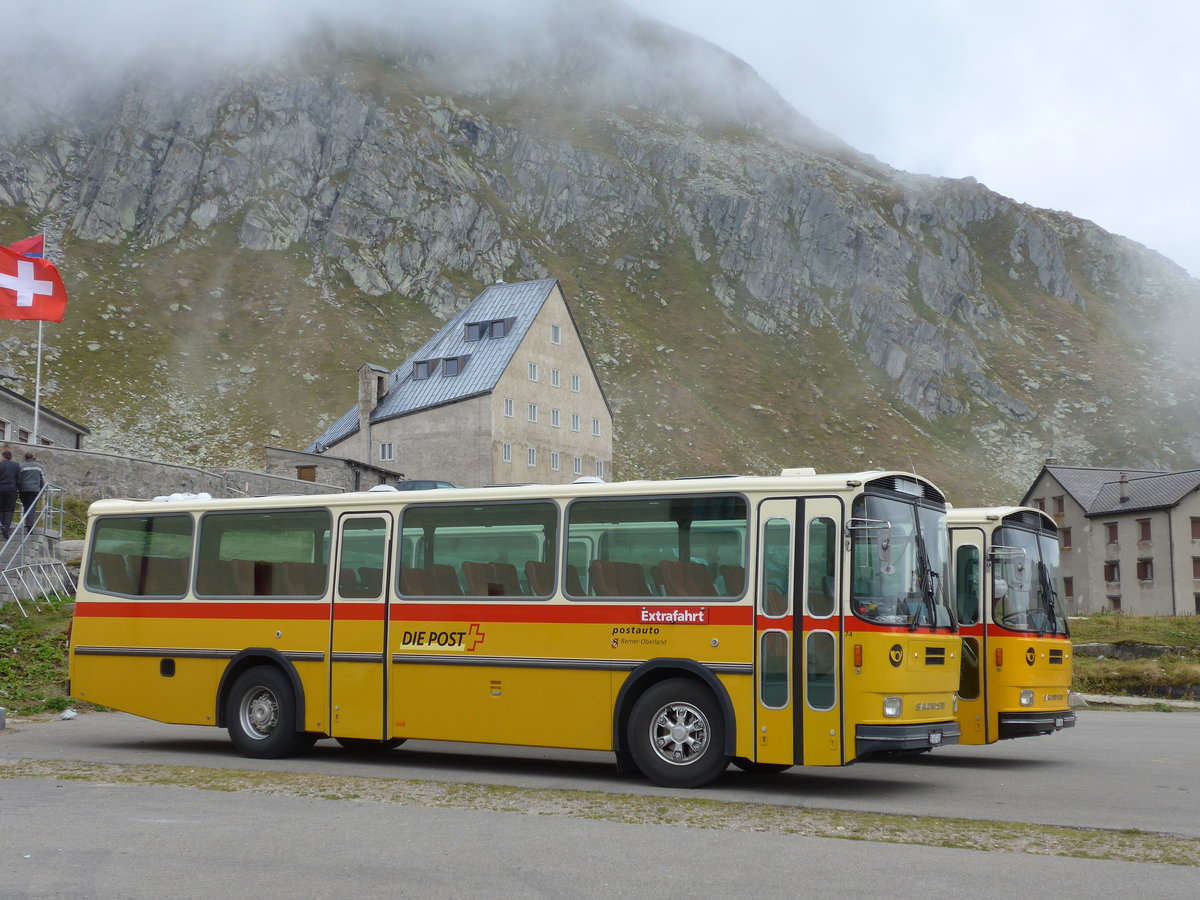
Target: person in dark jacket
x,y
29,484
9,473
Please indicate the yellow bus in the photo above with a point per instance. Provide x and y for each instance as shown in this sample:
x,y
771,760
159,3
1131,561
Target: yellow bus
x,y
684,624
1016,655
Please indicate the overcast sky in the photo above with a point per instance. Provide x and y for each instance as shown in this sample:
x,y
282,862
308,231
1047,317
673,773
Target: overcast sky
x,y
1088,106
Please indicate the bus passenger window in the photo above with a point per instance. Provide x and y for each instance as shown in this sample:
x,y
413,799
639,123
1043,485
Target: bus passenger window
x,y
776,567
966,584
821,579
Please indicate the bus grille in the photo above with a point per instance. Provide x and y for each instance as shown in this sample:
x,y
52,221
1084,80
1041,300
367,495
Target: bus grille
x,y
1056,657
935,656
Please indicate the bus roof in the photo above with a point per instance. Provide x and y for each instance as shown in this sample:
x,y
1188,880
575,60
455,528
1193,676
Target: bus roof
x,y
832,483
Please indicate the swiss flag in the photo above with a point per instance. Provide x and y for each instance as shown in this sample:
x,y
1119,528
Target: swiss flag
x,y
30,288
33,246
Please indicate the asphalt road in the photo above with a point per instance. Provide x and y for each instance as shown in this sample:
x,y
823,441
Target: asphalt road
x,y
86,839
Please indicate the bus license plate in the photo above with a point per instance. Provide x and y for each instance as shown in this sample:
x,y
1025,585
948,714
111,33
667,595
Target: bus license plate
x,y
935,737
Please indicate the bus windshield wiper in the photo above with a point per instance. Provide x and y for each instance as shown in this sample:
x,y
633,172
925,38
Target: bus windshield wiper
x,y
1049,596
926,576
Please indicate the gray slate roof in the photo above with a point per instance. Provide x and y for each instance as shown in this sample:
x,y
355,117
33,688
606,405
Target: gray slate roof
x,y
489,358
1098,491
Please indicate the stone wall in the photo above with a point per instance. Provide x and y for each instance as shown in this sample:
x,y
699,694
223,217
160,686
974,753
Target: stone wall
x,y
97,476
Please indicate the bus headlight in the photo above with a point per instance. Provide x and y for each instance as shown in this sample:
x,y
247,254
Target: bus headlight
x,y
1027,698
893,707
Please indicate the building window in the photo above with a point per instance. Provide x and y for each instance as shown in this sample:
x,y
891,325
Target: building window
x,y
574,421
1110,529
596,427
386,452
1196,567
554,457
1069,587
579,465
454,365
4,434
495,328
532,412
22,435
555,416
1058,506
1145,570
506,452
508,407
422,369
1195,528
533,372
599,468
1040,504
1196,597
306,473
533,456
575,383
556,334
1112,572
1066,538
555,378
1143,529
1114,603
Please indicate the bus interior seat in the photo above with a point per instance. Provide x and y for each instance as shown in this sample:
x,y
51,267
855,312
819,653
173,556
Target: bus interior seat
x,y
445,581
618,579
685,578
540,576
491,579
370,581
159,575
112,570
735,579
415,582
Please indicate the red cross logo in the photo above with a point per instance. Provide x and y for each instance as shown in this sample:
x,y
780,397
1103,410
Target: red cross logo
x,y
475,636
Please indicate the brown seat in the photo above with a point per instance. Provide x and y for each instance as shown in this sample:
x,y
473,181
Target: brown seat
x,y
477,576
444,581
111,572
684,578
159,576
415,582
540,576
617,579
735,579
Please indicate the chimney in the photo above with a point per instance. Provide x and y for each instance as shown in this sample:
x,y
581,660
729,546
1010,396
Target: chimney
x,y
372,385
1123,484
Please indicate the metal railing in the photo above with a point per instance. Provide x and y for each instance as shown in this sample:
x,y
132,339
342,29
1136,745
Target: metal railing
x,y
22,573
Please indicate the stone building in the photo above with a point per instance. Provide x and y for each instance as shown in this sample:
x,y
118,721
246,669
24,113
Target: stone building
x,y
504,393
53,430
1130,538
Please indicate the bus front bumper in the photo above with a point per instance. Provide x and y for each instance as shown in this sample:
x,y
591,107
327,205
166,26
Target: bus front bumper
x,y
1014,725
870,739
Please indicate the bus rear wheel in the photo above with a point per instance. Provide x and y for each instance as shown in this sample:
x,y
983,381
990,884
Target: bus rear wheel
x,y
260,714
676,734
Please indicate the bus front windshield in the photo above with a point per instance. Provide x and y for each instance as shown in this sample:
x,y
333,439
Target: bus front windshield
x,y
900,562
1024,579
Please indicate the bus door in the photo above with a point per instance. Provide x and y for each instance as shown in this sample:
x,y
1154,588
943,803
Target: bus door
x,y
819,634
969,547
776,724
358,629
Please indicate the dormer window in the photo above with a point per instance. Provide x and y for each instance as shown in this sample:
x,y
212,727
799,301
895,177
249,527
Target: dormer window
x,y
493,328
424,368
454,365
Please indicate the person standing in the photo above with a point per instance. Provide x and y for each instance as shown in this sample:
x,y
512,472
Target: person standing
x,y
9,473
29,484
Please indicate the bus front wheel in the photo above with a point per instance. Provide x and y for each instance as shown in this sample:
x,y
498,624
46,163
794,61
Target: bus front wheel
x,y
260,714
677,734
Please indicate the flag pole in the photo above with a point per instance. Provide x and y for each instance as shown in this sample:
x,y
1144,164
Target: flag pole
x,y
37,384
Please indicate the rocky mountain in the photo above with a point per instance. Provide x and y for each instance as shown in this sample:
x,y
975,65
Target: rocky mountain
x,y
238,238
